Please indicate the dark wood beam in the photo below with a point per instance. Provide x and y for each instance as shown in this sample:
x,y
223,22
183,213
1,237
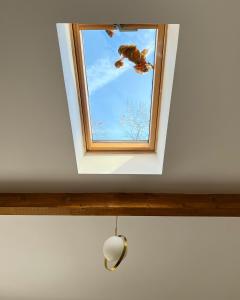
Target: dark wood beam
x,y
132,204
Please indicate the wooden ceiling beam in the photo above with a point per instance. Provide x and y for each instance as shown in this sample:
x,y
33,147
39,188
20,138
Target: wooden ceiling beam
x,y
111,204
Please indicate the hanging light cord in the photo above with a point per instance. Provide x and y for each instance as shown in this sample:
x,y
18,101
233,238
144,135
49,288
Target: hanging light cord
x,y
116,225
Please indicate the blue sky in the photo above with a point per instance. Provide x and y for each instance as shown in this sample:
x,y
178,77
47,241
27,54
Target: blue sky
x,y
119,99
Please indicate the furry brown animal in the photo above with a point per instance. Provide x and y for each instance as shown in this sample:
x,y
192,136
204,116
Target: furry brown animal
x,y
132,53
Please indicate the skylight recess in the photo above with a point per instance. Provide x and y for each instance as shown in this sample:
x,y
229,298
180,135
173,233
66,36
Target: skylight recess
x,y
119,71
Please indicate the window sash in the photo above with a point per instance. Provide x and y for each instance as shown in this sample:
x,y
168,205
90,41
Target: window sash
x,y
91,145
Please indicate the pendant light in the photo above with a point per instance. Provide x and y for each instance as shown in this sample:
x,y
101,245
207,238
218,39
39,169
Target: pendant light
x,y
114,250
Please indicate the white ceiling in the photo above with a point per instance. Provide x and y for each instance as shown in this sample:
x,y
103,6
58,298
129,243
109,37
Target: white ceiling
x,y
58,258
203,145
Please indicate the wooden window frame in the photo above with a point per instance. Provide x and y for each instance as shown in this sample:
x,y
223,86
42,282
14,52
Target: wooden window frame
x,y
160,46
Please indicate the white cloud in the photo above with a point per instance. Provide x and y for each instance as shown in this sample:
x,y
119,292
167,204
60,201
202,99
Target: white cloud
x,y
103,72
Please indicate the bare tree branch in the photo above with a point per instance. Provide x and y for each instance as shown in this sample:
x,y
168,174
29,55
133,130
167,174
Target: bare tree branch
x,y
136,120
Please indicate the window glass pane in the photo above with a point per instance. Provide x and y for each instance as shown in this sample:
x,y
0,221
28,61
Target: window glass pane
x,y
119,98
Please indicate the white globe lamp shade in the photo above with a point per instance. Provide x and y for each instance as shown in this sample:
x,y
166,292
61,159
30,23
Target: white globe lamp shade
x,y
113,248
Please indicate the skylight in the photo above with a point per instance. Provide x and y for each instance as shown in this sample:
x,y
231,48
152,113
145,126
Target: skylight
x,y
119,71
